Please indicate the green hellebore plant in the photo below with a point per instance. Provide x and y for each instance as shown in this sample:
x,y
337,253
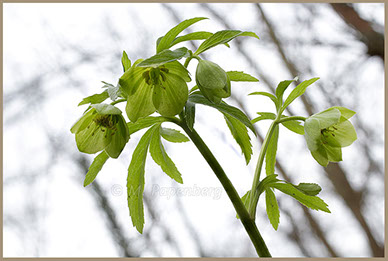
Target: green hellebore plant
x,y
327,132
101,128
149,89
213,81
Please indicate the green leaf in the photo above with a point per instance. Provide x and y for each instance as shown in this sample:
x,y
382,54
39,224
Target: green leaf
x,y
125,61
298,91
163,57
223,107
166,41
245,200
282,86
144,123
272,208
114,92
270,156
269,95
240,134
135,180
312,202
95,167
161,158
94,99
266,182
264,116
190,114
191,36
310,189
222,37
294,126
237,76
172,135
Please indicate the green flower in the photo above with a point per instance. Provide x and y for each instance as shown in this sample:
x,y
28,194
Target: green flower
x,y
162,89
212,80
327,132
101,128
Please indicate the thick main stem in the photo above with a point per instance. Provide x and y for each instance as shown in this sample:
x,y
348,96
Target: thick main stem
x,y
246,220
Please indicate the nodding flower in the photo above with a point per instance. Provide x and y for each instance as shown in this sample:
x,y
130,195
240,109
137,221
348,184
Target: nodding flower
x,y
102,127
149,89
327,132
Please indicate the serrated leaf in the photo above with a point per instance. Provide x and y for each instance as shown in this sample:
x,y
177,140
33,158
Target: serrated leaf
x,y
237,76
172,135
294,126
94,99
169,37
282,86
223,107
135,180
272,208
298,91
312,202
269,95
161,158
264,116
190,114
164,57
245,199
95,167
240,134
270,156
191,36
144,123
310,189
125,61
222,37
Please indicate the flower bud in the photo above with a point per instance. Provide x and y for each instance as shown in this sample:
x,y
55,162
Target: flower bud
x,y
213,81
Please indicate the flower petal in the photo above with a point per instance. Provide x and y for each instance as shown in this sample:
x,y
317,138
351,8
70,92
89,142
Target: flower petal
x,y
92,140
103,108
140,103
327,117
174,95
344,135
119,138
312,133
333,154
320,156
83,122
178,69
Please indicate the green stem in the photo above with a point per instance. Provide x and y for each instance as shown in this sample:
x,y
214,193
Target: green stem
x,y
292,118
118,101
247,221
254,198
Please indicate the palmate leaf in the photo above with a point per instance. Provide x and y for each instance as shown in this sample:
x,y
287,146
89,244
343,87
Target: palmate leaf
x,y
270,156
282,86
237,76
169,37
298,91
96,98
272,208
172,135
135,180
312,202
245,199
144,123
222,37
95,167
164,57
294,126
240,134
269,95
223,107
125,61
161,158
264,116
191,37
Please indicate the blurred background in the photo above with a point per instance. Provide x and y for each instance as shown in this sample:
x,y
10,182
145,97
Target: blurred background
x,y
57,54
